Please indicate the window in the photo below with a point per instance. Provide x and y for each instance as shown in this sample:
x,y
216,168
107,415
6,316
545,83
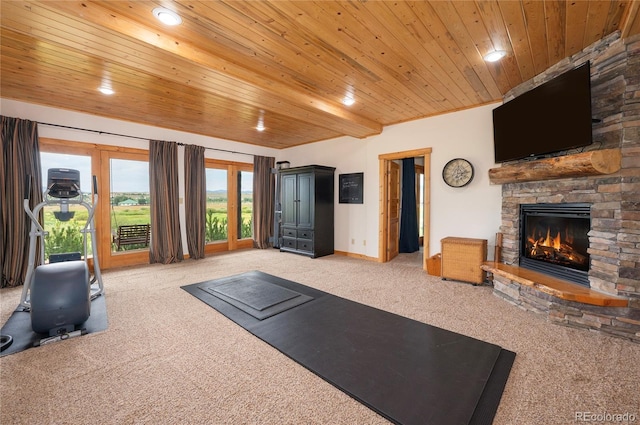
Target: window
x,y
217,199
128,200
229,221
245,193
124,197
64,231
124,185
96,160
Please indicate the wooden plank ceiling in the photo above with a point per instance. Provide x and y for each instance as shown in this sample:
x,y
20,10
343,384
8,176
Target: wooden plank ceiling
x,y
229,63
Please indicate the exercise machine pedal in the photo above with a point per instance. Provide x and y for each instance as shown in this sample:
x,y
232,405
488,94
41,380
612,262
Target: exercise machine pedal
x,y
61,337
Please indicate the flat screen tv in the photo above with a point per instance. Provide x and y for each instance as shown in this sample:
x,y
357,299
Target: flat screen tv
x,y
552,117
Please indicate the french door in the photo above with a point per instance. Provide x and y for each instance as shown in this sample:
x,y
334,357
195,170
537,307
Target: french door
x,y
124,195
124,182
63,223
229,210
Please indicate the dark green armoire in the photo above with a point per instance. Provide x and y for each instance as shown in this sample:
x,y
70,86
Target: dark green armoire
x,y
307,210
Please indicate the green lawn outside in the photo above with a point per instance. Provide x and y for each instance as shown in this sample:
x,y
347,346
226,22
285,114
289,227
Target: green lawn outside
x,y
66,237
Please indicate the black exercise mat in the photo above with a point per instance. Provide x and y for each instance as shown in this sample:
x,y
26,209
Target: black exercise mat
x,y
407,371
19,326
488,404
255,296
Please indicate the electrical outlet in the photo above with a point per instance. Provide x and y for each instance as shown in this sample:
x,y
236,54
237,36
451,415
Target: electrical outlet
x,y
353,241
364,242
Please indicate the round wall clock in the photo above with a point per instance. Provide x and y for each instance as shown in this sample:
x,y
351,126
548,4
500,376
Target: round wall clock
x,y
458,172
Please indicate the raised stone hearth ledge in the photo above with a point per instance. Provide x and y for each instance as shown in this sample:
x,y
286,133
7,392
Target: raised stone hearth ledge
x,y
555,287
606,161
565,303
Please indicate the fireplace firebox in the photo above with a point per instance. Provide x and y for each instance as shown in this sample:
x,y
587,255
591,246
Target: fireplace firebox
x,y
554,240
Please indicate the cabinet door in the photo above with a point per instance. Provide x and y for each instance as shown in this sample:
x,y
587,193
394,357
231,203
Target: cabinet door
x,y
306,196
289,198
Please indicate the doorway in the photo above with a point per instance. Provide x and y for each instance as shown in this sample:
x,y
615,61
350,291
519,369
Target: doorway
x,y
387,245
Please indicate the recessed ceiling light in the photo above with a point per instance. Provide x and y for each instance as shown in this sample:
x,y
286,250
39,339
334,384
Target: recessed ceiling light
x,y
348,100
349,96
495,55
166,16
106,90
260,126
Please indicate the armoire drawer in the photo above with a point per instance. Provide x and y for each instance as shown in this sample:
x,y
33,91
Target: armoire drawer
x,y
288,232
305,234
289,243
304,245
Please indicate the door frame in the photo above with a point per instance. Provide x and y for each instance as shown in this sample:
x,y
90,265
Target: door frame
x,y
234,206
109,258
384,193
100,156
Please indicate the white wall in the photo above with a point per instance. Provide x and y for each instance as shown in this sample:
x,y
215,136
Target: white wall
x,y
472,211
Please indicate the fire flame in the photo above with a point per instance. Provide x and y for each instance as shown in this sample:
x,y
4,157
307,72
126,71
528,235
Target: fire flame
x,y
555,242
554,248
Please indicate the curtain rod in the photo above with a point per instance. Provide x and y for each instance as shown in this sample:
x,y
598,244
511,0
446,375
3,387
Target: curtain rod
x,y
136,137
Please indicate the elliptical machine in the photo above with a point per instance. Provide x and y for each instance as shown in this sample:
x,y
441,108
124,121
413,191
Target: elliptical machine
x,y
58,295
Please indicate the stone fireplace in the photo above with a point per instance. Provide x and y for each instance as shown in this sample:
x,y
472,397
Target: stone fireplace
x,y
608,258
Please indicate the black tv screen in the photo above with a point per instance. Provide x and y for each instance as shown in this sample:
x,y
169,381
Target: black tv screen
x,y
552,117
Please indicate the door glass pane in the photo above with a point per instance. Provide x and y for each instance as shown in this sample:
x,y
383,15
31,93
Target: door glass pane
x,y
216,215
129,203
64,233
245,225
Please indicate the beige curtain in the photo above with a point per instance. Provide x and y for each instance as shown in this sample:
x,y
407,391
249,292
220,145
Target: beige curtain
x,y
20,152
195,199
166,240
263,200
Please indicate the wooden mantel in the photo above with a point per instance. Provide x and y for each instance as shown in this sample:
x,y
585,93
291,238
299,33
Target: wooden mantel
x,y
606,161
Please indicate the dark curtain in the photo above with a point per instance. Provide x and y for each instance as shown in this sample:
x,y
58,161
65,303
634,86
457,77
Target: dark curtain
x,y
264,186
195,199
166,240
409,235
20,151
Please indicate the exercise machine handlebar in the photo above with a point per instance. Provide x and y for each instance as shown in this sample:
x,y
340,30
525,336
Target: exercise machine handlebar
x,y
27,208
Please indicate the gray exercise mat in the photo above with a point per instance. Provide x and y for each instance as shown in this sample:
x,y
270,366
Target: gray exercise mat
x,y
255,296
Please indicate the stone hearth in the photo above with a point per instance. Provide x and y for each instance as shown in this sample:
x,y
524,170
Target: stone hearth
x,y
614,238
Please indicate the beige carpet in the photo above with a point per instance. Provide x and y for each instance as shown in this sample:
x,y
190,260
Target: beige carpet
x,y
168,358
